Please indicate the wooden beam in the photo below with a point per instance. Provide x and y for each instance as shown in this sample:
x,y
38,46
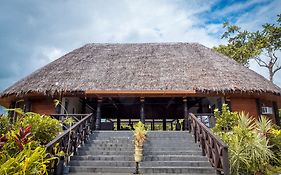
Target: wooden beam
x,y
139,92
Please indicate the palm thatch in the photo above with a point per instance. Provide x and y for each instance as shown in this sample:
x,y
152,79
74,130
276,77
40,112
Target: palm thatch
x,y
143,66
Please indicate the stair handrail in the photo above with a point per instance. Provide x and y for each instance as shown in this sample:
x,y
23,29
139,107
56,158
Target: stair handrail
x,y
75,136
212,146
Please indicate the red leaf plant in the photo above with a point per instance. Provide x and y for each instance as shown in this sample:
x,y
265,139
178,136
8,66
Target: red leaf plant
x,y
3,140
21,138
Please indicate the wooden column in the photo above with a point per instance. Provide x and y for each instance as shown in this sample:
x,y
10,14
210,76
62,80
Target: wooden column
x,y
185,107
84,103
11,114
27,105
142,117
276,113
118,123
98,114
164,124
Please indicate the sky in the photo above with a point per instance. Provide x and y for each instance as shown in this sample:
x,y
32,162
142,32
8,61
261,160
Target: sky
x,y
33,33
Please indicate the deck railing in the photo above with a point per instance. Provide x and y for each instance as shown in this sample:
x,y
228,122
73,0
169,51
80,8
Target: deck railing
x,y
212,146
69,141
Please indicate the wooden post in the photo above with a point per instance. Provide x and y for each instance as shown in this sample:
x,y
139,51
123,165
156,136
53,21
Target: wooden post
x,y
11,114
186,121
142,117
276,113
164,124
118,123
84,106
98,116
153,127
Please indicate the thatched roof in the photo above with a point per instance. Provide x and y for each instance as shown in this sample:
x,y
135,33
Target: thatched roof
x,y
144,66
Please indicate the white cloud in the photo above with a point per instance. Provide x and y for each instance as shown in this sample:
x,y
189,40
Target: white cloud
x,y
49,30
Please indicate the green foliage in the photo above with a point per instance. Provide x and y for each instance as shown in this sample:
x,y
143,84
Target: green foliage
x,y
28,162
225,119
69,121
44,128
249,148
4,124
21,150
240,47
57,102
245,45
264,126
139,134
20,136
275,141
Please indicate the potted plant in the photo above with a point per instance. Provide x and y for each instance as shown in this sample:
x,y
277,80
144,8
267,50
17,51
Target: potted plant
x,y
139,139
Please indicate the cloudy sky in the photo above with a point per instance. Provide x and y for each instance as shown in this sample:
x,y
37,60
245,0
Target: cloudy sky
x,y
34,33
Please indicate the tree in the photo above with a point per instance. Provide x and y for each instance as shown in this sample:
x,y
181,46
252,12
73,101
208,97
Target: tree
x,y
263,45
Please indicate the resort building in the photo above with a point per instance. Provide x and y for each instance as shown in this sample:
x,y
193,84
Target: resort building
x,y
146,81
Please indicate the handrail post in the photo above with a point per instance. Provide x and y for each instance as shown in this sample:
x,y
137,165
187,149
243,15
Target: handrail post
x,y
225,163
202,141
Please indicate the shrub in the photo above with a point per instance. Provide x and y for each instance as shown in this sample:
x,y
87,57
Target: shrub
x,y
275,142
4,124
249,150
44,128
225,120
20,149
28,162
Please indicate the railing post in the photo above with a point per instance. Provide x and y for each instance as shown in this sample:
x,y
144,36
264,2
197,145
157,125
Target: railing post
x,y
58,169
225,163
202,141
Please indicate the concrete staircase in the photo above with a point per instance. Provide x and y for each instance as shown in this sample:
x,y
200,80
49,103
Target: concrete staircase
x,y
111,152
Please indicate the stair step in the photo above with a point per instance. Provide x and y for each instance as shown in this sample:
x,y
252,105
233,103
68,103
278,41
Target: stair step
x,y
189,152
102,169
174,158
172,170
94,152
144,164
169,169
111,152
104,157
103,163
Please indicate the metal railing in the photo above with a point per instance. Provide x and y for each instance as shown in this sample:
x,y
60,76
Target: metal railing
x,y
70,140
212,146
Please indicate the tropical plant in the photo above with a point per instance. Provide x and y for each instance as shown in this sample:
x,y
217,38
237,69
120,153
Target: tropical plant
x,y
249,148
225,119
44,128
27,162
4,124
264,126
275,142
21,136
139,138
